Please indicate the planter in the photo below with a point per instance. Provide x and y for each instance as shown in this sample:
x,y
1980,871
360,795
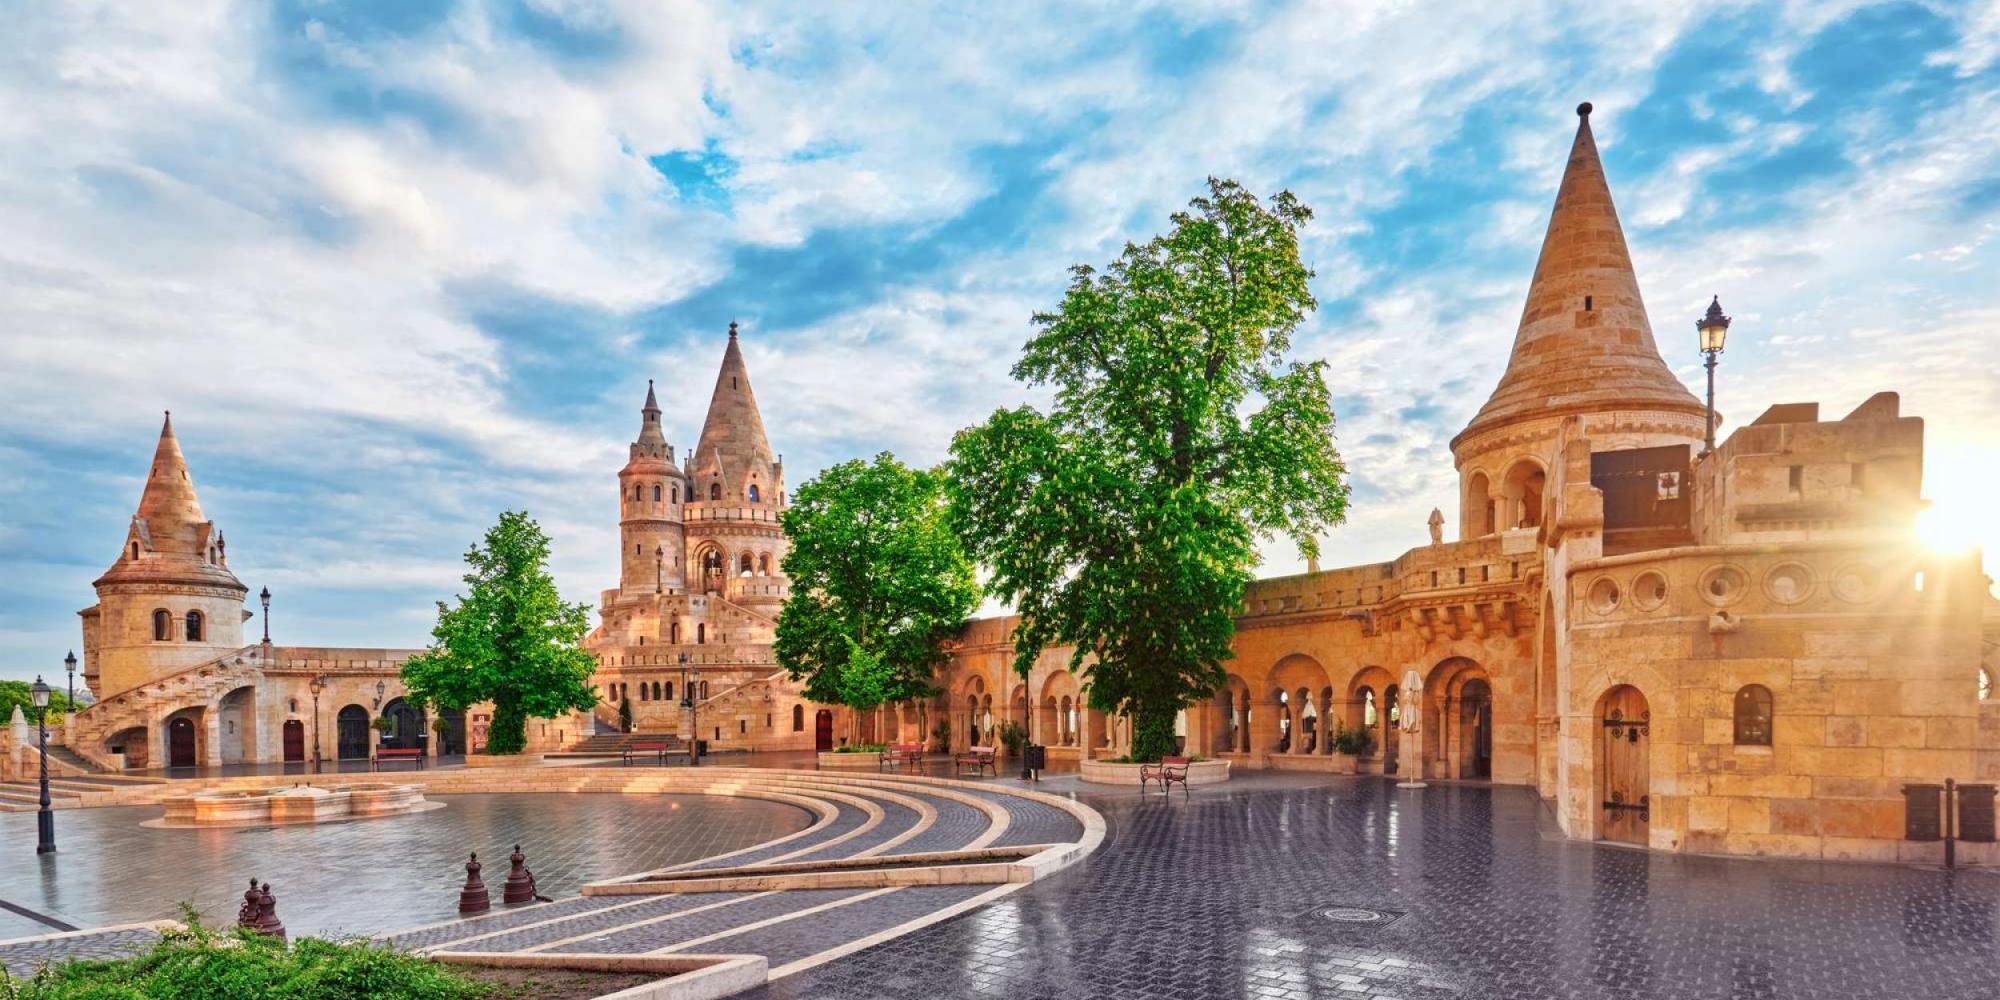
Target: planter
x,y
1098,772
502,760
1336,763
829,760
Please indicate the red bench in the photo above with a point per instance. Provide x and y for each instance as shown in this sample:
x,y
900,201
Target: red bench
x,y
977,758
899,754
1168,771
660,749
392,755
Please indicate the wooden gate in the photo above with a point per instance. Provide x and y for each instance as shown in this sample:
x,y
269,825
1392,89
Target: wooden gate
x,y
295,740
180,743
823,731
1622,765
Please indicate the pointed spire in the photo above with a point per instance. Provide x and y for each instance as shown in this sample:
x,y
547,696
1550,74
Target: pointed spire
x,y
733,445
169,495
1584,343
652,401
652,439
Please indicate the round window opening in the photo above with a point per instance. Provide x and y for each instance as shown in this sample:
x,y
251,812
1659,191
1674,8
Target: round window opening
x,y
1649,591
1789,583
1723,585
1603,596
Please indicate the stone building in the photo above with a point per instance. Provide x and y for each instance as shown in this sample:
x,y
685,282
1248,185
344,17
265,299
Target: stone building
x,y
1738,651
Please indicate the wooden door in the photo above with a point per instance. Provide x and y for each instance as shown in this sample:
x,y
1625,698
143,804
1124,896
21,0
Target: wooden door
x,y
295,740
180,743
823,731
1623,766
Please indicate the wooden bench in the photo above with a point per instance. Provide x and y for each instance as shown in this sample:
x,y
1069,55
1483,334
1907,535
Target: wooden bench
x,y
977,758
659,749
1168,771
899,754
392,755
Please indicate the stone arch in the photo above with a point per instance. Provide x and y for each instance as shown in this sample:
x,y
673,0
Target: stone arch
x,y
1233,707
350,733
712,567
1622,761
1058,706
185,736
1369,688
1458,716
1521,491
132,742
237,715
1298,682
1478,514
408,733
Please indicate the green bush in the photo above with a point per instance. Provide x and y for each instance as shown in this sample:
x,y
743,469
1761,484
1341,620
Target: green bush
x,y
1013,736
861,748
1358,742
200,964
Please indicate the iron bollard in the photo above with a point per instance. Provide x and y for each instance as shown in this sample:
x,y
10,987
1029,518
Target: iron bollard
x,y
473,898
252,908
267,917
520,886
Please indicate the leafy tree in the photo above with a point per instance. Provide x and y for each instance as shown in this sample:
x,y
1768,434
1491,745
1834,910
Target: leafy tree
x,y
1123,521
511,639
624,715
14,693
879,584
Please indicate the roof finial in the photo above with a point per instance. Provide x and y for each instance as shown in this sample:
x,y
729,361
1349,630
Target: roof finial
x,y
732,329
1583,110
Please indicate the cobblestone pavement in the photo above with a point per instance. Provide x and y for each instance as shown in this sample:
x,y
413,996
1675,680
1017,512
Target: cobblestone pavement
x,y
24,958
366,876
1466,892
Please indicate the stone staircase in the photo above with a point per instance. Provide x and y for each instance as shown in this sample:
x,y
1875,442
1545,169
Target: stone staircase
x,y
72,783
147,704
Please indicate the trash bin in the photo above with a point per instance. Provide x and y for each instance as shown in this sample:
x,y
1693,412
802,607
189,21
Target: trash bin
x,y
1038,757
1975,813
1922,819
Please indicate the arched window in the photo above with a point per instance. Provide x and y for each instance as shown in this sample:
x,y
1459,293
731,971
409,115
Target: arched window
x,y
704,690
1753,716
656,492
764,564
798,718
656,692
643,693
194,623
700,632
163,625
670,691
744,564
636,494
754,497
715,491
674,633
673,494
1368,707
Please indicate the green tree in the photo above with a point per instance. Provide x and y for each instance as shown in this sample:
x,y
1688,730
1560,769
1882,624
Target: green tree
x,y
624,715
14,693
1124,520
510,640
879,584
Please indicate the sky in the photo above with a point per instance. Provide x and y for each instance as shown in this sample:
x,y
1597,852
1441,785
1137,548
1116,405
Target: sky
x,y
398,265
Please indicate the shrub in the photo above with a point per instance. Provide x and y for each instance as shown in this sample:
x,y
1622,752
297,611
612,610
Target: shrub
x,y
1352,741
941,737
1013,736
861,748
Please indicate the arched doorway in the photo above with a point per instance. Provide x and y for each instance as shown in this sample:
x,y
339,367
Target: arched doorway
x,y
295,741
1623,766
351,733
823,730
451,739
408,725
237,714
1392,721
1475,714
181,743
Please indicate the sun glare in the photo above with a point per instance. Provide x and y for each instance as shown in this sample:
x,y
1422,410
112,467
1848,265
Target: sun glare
x,y
1958,481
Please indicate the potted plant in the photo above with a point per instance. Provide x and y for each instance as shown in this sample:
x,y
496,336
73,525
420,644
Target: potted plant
x,y
1349,745
383,725
1013,736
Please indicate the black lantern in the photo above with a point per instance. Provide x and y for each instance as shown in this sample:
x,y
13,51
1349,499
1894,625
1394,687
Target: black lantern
x,y
1714,329
264,597
45,819
69,665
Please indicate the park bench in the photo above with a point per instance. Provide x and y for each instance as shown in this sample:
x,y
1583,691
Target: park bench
x,y
899,754
392,755
977,758
1168,771
659,749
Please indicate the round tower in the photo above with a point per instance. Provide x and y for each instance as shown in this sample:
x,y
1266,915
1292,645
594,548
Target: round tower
x,y
652,494
170,601
1583,349
735,546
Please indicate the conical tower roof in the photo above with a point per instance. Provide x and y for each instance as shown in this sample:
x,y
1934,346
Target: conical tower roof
x,y
1584,344
169,501
175,541
732,437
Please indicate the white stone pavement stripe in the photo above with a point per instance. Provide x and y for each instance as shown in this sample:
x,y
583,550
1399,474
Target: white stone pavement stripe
x,y
871,940
677,914
561,918
781,918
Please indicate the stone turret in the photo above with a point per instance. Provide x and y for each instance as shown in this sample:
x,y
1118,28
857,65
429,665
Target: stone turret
x,y
734,543
1584,348
169,601
652,493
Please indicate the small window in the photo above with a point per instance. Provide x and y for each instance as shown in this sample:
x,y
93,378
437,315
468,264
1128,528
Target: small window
x,y
656,692
715,491
637,494
1368,715
635,550
704,690
742,727
673,494
700,633
670,691
674,633
135,550
799,716
194,623
656,492
163,625
754,497
1798,478
1753,716
643,693
764,565
1586,303
744,565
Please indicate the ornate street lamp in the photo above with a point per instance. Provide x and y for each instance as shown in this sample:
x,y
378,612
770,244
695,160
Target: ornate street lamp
x,y
1713,327
318,684
688,706
264,596
381,689
45,821
69,664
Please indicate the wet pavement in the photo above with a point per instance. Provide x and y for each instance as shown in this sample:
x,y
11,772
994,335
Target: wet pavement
x,y
364,876
1292,886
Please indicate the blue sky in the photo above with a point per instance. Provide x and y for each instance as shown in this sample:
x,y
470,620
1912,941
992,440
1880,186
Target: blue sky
x,y
398,265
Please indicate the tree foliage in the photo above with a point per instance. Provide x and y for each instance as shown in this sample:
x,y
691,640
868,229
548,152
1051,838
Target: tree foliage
x,y
511,639
1123,521
17,693
879,584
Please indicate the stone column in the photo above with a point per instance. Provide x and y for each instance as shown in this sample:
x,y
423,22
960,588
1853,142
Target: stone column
x,y
1264,730
1093,733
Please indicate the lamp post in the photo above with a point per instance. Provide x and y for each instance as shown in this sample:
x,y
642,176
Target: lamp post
x,y
688,706
69,664
318,684
45,821
1713,327
264,597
